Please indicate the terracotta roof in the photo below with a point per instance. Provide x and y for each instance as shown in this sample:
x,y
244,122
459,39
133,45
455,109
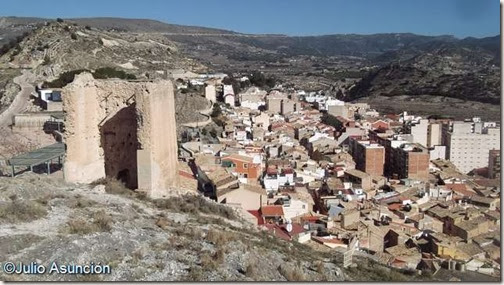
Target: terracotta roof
x,y
257,214
394,206
460,188
272,211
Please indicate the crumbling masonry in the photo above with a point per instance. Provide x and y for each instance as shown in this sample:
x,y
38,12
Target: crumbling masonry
x,y
120,129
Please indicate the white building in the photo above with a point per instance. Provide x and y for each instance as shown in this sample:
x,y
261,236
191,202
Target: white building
x,y
419,131
293,208
210,93
437,152
253,98
229,96
272,182
468,145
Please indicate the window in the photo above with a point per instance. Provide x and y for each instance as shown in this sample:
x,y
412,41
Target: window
x,y
245,165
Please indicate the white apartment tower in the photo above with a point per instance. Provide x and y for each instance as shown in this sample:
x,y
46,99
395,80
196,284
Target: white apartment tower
x,y
468,144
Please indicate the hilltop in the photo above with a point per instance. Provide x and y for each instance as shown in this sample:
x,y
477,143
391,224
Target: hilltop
x,y
181,238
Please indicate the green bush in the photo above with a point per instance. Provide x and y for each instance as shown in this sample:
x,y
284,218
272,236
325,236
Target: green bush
x,y
110,72
64,79
101,73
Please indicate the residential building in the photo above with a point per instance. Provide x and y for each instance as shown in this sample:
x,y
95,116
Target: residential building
x,y
50,99
272,214
419,131
368,156
469,145
248,197
358,177
246,168
408,160
229,95
494,164
434,135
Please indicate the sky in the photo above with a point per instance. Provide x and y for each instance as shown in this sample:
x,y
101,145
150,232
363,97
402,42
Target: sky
x,y
461,18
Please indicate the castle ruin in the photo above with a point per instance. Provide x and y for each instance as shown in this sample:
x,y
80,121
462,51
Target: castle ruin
x,y
121,129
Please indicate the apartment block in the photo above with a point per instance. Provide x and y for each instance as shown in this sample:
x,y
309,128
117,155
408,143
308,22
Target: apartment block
x,y
494,164
469,144
369,157
419,131
408,160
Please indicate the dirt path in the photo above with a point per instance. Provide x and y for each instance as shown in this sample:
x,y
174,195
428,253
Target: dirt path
x,y
18,105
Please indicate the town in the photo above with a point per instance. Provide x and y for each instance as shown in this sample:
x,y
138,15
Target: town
x,y
410,192
307,167
167,152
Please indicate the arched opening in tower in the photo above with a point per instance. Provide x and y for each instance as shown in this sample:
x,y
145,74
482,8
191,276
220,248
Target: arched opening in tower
x,y
120,143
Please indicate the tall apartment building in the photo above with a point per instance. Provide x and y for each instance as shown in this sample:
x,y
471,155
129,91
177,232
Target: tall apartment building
x,y
369,157
425,132
419,131
434,134
469,144
407,160
494,164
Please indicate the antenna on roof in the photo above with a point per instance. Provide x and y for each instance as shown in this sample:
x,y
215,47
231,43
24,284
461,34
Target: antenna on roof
x,y
289,227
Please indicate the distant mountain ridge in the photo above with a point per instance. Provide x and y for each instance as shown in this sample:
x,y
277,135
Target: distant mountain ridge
x,y
401,63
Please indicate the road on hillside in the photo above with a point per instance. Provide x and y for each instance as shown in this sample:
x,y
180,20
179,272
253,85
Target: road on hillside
x,y
18,105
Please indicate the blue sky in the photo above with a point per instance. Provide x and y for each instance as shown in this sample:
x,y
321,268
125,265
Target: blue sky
x,y
462,18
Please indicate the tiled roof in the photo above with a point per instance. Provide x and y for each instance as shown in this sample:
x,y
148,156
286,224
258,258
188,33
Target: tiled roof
x,y
272,211
257,214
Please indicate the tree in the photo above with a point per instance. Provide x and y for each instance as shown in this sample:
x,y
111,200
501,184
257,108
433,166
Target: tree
x,y
73,36
204,132
216,111
59,20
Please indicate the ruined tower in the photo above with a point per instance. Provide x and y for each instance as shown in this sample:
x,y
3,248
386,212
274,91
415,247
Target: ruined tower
x,y
121,129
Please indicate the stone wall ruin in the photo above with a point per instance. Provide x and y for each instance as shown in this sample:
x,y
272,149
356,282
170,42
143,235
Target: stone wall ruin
x,y
121,129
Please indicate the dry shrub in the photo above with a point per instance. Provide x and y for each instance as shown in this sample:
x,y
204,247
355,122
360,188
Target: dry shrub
x,y
102,222
319,265
208,261
219,238
79,226
80,202
137,255
251,269
194,204
22,211
291,273
113,186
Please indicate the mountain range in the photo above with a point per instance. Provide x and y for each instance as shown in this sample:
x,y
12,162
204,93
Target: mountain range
x,y
395,64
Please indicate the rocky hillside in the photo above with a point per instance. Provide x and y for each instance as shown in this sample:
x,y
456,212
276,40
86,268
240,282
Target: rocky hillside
x,y
465,70
182,238
56,47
